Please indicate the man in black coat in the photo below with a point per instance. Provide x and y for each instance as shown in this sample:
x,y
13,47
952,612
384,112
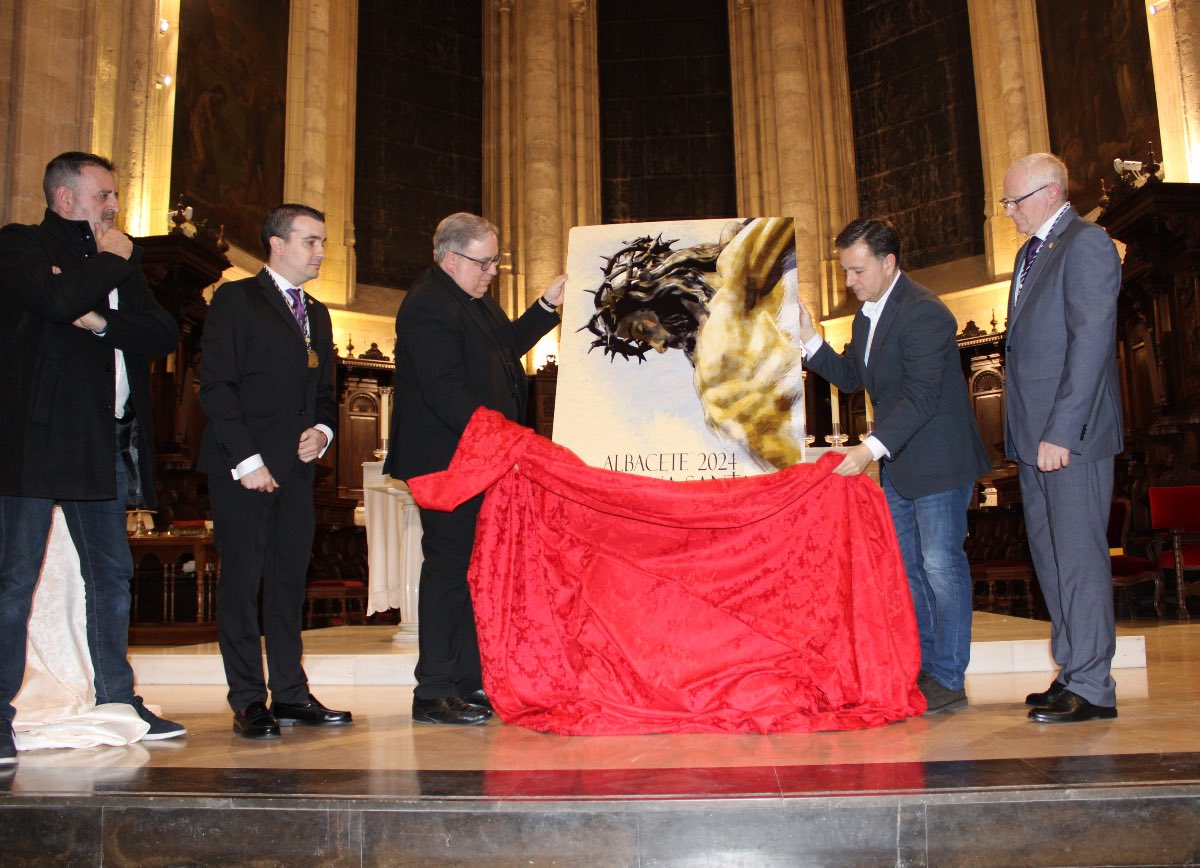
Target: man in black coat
x,y
266,385
456,351
79,328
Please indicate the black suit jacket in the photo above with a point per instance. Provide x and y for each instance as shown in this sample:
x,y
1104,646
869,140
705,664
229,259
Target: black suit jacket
x,y
454,354
56,380
255,384
915,383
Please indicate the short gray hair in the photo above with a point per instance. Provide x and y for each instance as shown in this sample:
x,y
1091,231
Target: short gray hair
x,y
1044,169
458,230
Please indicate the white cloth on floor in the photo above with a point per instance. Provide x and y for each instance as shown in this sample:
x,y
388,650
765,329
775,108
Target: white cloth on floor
x,y
56,706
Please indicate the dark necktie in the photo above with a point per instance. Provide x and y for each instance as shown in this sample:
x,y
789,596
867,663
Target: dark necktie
x,y
1031,252
298,309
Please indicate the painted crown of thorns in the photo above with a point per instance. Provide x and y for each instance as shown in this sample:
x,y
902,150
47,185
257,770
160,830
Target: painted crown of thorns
x,y
647,277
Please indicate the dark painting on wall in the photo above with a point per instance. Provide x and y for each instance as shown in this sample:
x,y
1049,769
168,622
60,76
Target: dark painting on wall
x,y
227,157
1099,88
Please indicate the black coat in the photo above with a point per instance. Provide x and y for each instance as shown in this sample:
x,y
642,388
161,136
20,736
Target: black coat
x,y
255,384
57,380
454,354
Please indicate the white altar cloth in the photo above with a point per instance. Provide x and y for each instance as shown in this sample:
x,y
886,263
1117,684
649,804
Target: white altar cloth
x,y
393,544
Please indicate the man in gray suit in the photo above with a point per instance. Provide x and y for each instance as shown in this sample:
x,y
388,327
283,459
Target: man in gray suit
x,y
1063,427
904,352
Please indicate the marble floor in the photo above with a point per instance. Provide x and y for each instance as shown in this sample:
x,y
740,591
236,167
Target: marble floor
x,y
982,786
1159,706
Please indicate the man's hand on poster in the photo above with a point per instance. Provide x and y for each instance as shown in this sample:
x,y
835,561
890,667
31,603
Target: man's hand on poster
x,y
554,295
807,330
856,461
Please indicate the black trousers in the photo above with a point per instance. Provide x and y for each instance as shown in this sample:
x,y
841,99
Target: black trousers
x,y
265,543
448,664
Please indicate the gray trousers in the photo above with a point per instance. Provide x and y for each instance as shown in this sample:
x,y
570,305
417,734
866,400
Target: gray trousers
x,y
1066,518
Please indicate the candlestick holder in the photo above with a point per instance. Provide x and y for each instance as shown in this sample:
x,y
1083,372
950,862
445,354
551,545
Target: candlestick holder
x,y
382,451
837,438
862,438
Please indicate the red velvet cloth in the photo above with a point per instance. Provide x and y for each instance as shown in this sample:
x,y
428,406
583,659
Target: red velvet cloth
x,y
608,603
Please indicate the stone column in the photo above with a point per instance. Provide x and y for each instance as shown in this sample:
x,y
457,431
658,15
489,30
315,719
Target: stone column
x,y
48,87
747,145
1175,52
135,106
319,142
792,128
541,142
1012,109
541,166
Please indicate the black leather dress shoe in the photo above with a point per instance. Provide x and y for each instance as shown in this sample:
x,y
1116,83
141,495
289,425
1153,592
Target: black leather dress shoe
x,y
1071,708
938,697
449,711
254,721
1046,697
478,697
311,713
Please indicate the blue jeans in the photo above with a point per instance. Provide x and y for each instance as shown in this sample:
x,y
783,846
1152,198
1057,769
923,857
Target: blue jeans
x,y
931,531
98,531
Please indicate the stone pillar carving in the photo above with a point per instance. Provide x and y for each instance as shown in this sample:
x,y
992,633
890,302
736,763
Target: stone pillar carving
x,y
319,142
541,145
135,106
1175,52
792,129
542,66
1012,109
48,86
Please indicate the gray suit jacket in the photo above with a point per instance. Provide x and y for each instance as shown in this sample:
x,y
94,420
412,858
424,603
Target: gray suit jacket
x,y
915,383
1060,350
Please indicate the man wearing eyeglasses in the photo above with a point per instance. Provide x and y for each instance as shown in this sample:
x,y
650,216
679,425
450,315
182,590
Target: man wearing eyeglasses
x,y
1063,427
456,351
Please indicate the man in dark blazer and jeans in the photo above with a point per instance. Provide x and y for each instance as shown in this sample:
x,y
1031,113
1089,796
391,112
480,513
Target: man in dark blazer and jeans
x,y
456,351
266,385
78,330
904,352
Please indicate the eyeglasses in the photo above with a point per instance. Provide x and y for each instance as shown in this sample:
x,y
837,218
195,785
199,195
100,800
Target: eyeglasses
x,y
484,264
1013,203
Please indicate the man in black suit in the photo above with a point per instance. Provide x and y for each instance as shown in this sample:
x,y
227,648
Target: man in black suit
x,y
903,351
79,327
266,385
456,351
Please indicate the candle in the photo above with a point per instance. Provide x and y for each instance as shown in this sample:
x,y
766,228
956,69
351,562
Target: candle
x,y
870,414
833,405
385,414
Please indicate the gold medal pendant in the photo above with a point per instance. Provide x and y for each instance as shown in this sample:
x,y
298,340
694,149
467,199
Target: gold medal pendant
x,y
313,361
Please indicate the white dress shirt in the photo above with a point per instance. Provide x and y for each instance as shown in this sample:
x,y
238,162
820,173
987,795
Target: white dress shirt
x,y
255,461
872,310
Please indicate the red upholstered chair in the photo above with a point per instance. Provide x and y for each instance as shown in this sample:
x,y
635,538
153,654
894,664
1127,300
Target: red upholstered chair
x,y
1128,570
1175,516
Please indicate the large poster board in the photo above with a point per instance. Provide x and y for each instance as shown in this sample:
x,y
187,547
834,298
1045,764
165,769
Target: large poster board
x,y
679,357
